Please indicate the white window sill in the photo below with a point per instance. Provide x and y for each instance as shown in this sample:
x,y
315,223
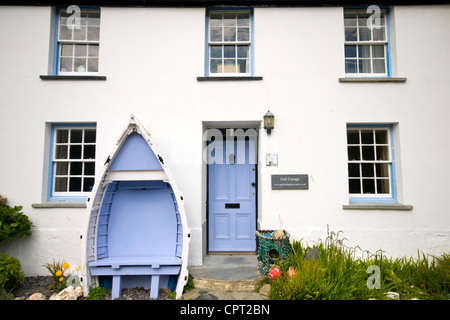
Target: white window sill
x,y
60,204
373,79
377,206
229,78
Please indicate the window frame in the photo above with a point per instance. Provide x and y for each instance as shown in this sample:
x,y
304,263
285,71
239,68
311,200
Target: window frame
x,y
390,197
67,195
386,45
58,42
208,44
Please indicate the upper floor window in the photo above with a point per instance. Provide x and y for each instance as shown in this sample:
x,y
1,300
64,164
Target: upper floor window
x,y
229,50
366,43
78,41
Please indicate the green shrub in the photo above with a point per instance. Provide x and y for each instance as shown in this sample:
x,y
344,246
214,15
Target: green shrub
x,y
13,222
97,293
11,275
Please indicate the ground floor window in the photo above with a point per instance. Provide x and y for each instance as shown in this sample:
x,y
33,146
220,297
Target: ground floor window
x,y
72,160
371,173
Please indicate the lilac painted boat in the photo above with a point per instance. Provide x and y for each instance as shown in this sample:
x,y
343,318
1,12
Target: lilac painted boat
x,y
137,233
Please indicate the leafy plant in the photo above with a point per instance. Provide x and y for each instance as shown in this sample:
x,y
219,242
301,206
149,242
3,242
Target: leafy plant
x,y
13,222
97,293
56,270
11,274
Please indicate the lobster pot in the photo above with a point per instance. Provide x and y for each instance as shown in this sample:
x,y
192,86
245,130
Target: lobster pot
x,y
271,250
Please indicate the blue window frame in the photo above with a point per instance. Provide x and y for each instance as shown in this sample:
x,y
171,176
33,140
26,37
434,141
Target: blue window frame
x,y
367,42
72,161
371,163
77,41
229,42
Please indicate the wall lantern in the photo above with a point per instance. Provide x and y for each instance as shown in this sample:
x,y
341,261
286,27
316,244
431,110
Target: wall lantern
x,y
269,122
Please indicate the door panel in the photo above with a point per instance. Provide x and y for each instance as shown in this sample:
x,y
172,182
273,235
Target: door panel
x,y
231,195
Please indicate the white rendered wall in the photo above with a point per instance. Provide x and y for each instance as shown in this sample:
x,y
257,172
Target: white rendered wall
x,y
152,57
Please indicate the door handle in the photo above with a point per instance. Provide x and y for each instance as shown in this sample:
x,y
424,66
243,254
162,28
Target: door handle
x,y
253,184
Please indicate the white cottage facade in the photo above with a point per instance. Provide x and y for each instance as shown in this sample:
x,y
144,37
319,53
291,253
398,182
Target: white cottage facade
x,y
360,103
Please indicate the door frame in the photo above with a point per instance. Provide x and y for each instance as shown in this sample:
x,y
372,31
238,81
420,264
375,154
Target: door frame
x,y
256,125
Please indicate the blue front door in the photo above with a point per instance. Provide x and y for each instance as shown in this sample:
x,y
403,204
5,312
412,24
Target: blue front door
x,y
231,191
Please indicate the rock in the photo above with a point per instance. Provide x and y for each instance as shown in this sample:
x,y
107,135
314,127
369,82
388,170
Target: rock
x,y
37,296
66,294
79,292
265,289
392,295
415,299
312,254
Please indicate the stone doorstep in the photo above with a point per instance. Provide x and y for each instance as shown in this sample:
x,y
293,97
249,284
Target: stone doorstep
x,y
234,285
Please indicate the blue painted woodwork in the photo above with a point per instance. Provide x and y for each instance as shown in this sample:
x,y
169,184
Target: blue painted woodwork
x,y
231,184
135,154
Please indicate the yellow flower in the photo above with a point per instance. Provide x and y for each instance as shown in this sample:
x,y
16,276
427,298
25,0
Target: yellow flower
x,y
77,268
66,265
61,279
58,273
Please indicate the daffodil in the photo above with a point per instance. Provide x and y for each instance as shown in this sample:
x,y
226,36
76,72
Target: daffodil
x,y
66,265
61,279
58,273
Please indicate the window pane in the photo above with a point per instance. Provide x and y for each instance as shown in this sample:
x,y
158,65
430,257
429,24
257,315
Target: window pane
x,y
75,184
229,51
364,51
382,153
215,34
381,136
350,51
353,170
89,168
65,33
368,153
349,19
350,34
243,34
88,183
61,184
89,135
66,50
215,65
229,19
366,136
61,152
229,66
215,52
364,66
89,152
368,186
243,52
365,34
75,168
62,136
62,168
350,66
76,136
354,186
353,137
65,64
378,51
229,34
94,18
93,33
80,50
379,66
93,50
93,65
80,65
383,186
243,19
75,152
79,34
215,19
379,34
353,153
382,170
243,66
367,170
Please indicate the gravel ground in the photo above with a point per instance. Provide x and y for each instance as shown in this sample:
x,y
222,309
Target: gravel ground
x,y
40,284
